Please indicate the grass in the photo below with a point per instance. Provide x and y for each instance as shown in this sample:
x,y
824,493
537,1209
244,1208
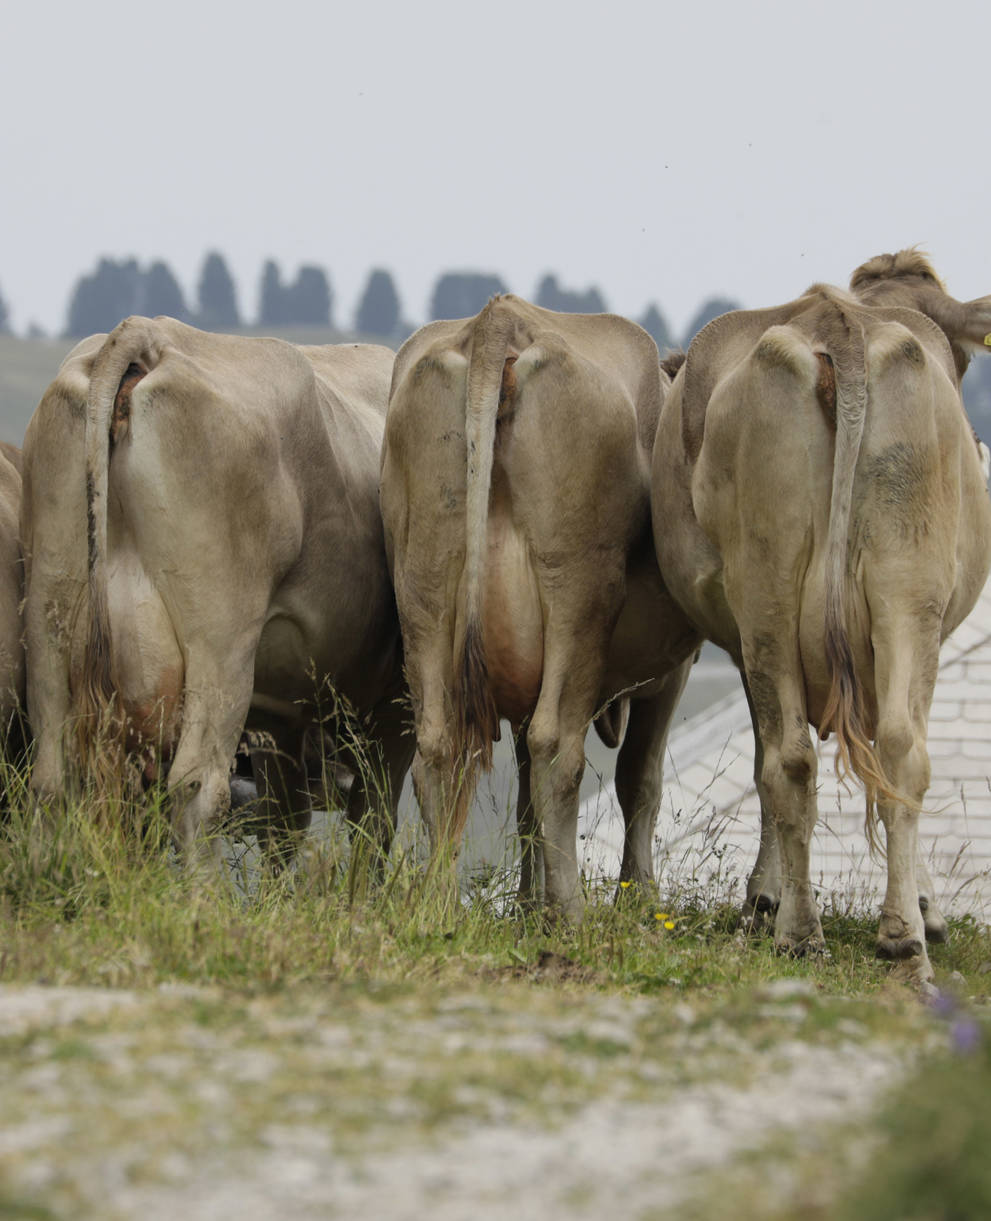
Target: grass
x,y
84,903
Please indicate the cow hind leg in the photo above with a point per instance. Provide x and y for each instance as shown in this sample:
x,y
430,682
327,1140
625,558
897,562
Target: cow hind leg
x,y
906,660
572,679
760,908
902,933
788,785
639,776
557,753
215,705
444,783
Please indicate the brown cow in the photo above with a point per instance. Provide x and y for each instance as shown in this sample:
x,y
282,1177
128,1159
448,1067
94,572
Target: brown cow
x,y
820,511
204,550
516,509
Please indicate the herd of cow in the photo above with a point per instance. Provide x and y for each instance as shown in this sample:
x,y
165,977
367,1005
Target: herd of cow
x,y
525,516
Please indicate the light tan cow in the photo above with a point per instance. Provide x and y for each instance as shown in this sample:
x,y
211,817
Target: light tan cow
x,y
15,457
820,511
516,509
12,728
204,550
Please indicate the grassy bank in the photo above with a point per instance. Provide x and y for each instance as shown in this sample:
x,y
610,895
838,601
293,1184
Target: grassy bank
x,y
168,1047
84,901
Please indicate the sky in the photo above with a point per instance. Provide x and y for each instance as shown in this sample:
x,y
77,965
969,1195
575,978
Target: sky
x,y
662,153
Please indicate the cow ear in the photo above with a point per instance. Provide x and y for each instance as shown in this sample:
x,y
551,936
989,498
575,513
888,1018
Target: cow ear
x,y
977,327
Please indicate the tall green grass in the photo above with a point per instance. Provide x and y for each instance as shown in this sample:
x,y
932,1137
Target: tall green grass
x,y
96,895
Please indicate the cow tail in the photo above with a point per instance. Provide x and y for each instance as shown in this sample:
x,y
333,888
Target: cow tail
x,y
127,354
845,712
475,714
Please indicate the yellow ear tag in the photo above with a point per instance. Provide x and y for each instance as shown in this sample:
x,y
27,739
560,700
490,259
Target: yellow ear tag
x,y
987,340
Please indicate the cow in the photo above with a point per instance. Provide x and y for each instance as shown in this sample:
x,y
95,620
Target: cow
x,y
15,457
204,551
13,733
516,509
820,511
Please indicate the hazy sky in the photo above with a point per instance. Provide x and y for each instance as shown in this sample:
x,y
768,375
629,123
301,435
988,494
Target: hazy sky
x,y
660,152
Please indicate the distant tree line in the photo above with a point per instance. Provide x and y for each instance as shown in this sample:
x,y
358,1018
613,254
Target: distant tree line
x,y
118,287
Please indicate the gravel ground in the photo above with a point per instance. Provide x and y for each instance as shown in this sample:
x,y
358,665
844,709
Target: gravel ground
x,y
517,1100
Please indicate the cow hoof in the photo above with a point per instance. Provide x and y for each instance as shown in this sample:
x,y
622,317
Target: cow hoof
x,y
899,949
758,914
813,946
936,927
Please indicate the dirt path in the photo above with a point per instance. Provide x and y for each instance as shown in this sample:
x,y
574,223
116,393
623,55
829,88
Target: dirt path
x,y
515,1100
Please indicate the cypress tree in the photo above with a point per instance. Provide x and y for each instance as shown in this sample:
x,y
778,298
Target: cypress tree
x,y
216,298
459,294
378,310
271,303
161,293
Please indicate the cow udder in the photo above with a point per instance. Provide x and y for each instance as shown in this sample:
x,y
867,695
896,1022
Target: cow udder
x,y
512,622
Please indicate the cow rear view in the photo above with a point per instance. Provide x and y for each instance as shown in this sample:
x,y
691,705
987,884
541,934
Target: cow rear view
x,y
820,512
515,505
204,551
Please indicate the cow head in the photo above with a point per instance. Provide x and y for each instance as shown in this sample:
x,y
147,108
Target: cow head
x,y
907,280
